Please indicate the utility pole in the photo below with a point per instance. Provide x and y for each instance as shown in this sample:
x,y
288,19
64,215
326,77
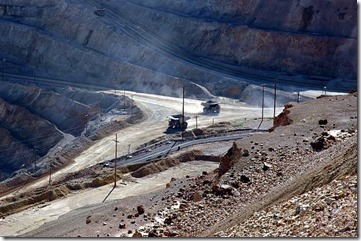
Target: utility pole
x,y
129,149
183,114
124,99
262,100
86,123
35,152
50,192
274,101
298,97
3,64
196,122
131,107
115,161
50,165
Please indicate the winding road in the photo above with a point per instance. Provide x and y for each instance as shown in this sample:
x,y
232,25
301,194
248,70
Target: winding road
x,y
156,109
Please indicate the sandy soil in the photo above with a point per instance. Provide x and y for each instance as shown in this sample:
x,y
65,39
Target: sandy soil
x,y
33,218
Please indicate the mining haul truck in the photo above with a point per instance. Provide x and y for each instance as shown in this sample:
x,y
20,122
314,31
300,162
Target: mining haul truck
x,y
211,106
175,122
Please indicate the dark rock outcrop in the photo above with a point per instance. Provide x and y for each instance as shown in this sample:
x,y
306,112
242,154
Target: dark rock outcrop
x,y
282,119
228,160
23,132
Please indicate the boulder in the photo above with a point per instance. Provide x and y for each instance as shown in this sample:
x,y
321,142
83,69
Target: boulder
x,y
266,166
244,179
322,122
318,144
197,197
229,159
245,153
222,190
170,233
140,209
168,220
137,234
153,233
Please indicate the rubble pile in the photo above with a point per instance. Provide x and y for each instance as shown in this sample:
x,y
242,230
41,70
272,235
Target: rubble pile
x,y
209,201
323,212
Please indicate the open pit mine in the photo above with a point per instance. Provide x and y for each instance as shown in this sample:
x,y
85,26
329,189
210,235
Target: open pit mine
x,y
100,91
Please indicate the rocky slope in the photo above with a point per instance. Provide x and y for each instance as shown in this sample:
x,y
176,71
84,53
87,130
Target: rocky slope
x,y
327,211
18,142
37,122
299,180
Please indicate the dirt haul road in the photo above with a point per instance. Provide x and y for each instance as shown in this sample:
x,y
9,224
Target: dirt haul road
x,y
156,109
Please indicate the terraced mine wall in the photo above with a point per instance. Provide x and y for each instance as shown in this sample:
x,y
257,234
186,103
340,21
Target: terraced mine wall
x,y
36,121
304,37
154,46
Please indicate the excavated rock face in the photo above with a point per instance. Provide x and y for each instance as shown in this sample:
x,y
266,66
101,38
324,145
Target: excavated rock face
x,y
283,118
67,114
320,36
21,133
228,160
33,120
153,46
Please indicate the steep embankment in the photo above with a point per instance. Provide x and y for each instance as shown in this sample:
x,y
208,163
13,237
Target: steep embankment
x,y
23,132
34,120
146,46
67,114
254,33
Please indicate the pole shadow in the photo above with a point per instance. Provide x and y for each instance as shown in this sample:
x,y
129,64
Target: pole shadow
x,y
166,154
108,194
259,125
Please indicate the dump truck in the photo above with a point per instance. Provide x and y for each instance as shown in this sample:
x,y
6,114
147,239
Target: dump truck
x,y
175,121
100,12
211,106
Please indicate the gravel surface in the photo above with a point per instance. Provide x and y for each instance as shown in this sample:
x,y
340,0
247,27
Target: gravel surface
x,y
327,211
278,184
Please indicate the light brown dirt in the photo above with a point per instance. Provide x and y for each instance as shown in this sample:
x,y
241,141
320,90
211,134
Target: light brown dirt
x,y
294,168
